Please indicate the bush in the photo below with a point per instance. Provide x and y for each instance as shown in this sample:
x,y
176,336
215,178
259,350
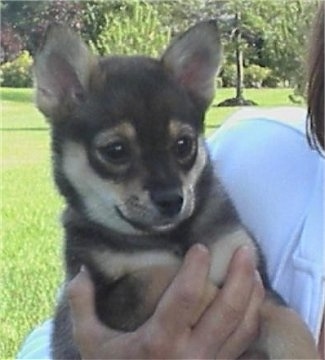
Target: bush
x,y
136,31
218,82
17,73
271,81
254,75
228,75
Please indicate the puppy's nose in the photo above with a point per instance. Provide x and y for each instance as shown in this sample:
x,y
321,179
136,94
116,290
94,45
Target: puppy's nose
x,y
168,201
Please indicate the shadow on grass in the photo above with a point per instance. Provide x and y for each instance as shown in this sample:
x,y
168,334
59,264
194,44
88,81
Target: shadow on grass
x,y
24,129
212,127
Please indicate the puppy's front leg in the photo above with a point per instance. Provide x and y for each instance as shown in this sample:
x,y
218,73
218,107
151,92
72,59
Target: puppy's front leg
x,y
134,298
155,280
127,302
161,277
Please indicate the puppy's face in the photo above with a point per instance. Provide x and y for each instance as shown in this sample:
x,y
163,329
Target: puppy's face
x,y
127,131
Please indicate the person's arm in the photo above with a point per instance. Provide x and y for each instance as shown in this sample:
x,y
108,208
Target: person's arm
x,y
225,328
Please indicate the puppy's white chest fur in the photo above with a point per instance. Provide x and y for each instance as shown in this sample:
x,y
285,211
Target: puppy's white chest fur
x,y
115,264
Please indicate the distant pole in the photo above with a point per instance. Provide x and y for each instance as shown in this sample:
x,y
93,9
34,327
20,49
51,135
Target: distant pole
x,y
239,57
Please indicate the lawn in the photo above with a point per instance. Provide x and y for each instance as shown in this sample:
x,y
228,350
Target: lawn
x,y
31,267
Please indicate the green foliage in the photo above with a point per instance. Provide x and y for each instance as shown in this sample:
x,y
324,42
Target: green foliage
x,y
274,35
134,29
218,82
255,75
27,20
272,80
228,75
17,73
286,33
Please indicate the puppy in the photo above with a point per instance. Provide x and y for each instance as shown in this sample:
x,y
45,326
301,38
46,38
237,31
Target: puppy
x,y
130,160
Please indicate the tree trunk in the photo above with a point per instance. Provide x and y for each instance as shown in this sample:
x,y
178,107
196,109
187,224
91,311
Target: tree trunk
x,y
239,59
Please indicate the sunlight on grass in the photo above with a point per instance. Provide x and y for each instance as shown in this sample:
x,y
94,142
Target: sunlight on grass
x,y
31,251
31,247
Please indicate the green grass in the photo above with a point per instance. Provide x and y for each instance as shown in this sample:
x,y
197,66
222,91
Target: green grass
x,y
263,97
31,262
31,246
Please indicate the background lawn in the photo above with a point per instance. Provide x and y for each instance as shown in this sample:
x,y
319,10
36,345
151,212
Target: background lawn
x,y
31,247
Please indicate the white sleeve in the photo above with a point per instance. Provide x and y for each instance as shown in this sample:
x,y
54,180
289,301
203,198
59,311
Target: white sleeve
x,y
37,343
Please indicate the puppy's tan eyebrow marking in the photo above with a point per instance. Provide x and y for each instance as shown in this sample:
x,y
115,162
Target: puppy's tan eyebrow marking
x,y
176,127
124,129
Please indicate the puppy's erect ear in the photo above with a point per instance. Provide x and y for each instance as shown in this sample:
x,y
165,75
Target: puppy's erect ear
x,y
62,69
194,59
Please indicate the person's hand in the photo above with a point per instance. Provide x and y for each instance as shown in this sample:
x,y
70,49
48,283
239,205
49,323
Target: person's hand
x,y
226,327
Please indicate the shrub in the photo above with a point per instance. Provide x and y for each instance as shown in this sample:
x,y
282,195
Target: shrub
x,y
218,82
136,31
228,75
254,75
17,73
271,81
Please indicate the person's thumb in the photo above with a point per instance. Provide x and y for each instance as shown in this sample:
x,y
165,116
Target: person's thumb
x,y
81,298
88,331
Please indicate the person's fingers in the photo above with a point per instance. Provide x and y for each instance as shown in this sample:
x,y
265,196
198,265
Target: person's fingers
x,y
229,307
248,329
188,290
81,297
167,332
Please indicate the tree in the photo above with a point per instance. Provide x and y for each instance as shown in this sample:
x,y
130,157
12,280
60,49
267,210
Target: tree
x,y
125,27
232,16
270,34
26,21
286,35
11,43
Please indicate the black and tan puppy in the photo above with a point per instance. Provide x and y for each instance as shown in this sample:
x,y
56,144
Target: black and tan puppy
x,y
130,160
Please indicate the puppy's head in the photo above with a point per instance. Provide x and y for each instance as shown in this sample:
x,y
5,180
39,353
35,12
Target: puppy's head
x,y
127,131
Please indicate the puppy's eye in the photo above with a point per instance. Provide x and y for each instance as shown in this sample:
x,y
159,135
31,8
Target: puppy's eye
x,y
117,152
184,147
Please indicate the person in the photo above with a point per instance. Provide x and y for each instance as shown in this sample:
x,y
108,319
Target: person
x,y
276,181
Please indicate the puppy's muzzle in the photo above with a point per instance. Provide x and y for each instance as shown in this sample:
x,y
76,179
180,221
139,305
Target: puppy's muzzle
x,y
169,201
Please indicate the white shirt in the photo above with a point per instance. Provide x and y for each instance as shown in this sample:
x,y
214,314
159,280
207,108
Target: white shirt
x,y
277,185
276,182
